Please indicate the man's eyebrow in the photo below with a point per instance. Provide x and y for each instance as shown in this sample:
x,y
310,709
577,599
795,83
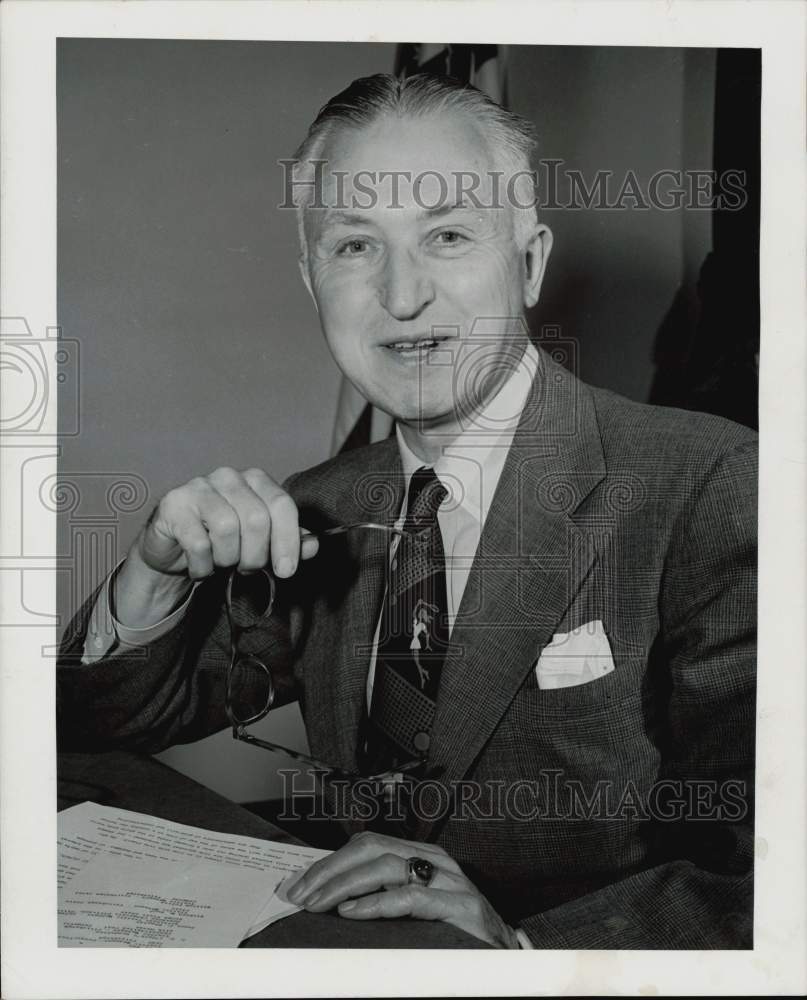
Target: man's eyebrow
x,y
438,211
332,219
345,219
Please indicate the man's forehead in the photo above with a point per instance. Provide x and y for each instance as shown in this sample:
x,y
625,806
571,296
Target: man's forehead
x,y
422,167
403,168
444,143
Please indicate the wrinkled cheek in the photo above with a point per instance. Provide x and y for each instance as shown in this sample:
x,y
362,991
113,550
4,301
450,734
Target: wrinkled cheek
x,y
490,291
343,310
502,288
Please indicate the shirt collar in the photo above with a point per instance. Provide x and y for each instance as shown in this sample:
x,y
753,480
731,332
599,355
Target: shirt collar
x,y
470,467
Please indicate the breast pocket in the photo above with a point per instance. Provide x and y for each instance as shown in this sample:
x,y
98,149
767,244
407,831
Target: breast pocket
x,y
593,694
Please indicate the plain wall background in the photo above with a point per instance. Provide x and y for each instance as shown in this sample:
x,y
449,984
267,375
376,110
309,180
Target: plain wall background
x,y
178,275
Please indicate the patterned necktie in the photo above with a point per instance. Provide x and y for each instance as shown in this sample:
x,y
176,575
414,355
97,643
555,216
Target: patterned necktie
x,y
413,636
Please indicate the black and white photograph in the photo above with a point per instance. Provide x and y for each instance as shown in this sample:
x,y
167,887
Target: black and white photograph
x,y
398,429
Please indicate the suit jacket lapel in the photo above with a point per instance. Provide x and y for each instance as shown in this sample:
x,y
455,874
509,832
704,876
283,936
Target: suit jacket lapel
x,y
335,690
531,561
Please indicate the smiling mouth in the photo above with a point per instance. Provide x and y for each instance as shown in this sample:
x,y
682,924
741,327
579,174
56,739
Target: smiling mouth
x,y
414,348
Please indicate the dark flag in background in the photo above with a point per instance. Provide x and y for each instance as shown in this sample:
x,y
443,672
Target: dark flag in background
x,y
357,422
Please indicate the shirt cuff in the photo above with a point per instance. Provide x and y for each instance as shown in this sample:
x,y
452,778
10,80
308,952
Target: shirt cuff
x,y
524,942
106,636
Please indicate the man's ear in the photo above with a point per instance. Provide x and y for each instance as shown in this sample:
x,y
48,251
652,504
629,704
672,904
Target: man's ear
x,y
303,265
536,254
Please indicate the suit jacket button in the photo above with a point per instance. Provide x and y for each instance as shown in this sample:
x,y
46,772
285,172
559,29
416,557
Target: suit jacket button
x,y
421,741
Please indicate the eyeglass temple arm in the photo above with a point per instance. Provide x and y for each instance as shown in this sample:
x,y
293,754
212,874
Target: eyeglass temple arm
x,y
240,733
342,529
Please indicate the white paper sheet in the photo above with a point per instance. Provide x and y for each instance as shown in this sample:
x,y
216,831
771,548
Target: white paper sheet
x,y
228,882
122,903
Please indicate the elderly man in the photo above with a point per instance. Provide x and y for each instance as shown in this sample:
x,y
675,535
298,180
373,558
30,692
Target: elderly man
x,y
543,664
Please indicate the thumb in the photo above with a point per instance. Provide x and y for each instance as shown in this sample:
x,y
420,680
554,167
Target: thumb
x,y
309,544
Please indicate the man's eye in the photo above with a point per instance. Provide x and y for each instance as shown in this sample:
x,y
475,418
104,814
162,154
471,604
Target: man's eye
x,y
351,248
449,237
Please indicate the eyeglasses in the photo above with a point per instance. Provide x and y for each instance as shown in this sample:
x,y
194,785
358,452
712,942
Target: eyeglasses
x,y
249,599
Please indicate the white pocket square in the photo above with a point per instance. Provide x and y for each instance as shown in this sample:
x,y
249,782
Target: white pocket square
x,y
575,657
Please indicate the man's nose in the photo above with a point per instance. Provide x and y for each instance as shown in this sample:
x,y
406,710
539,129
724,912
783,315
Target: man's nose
x,y
406,287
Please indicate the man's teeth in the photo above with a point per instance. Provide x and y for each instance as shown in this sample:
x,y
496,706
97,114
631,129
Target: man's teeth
x,y
418,345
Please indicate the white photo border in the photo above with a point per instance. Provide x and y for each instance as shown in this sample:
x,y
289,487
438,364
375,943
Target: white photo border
x,y
32,964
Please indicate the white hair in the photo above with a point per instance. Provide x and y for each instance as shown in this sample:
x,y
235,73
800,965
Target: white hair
x,y
511,138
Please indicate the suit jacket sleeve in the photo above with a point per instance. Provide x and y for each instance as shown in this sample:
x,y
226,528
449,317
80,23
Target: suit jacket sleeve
x,y
168,691
700,895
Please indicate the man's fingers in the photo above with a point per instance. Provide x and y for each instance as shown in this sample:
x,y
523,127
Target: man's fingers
x,y
466,910
360,849
284,525
193,528
195,543
253,517
407,901
226,519
385,871
221,522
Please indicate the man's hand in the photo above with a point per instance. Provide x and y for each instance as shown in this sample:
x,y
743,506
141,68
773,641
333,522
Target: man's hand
x,y
227,518
368,879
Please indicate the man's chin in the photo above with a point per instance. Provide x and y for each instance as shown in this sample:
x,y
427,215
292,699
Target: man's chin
x,y
419,410
426,417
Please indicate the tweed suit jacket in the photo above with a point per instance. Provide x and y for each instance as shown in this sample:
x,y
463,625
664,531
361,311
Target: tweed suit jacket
x,y
615,813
